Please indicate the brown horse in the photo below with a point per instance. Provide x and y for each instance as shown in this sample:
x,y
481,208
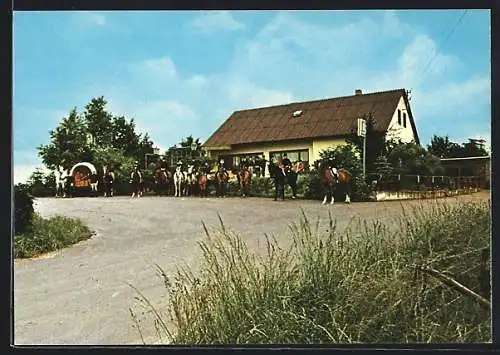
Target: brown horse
x,y
244,179
222,178
331,177
162,180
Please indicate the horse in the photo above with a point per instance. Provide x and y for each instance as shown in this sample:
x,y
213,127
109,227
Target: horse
x,y
244,178
222,178
278,176
331,177
191,180
179,180
161,180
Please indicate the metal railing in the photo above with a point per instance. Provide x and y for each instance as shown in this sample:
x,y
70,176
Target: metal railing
x,y
412,182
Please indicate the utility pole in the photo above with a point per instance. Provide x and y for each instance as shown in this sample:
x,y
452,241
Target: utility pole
x,y
362,133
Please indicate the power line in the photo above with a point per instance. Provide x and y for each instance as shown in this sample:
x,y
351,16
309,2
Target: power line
x,y
437,48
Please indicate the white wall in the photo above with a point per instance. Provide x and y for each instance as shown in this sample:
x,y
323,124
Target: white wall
x,y
398,131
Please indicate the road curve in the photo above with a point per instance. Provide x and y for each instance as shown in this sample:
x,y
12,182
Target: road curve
x,y
79,295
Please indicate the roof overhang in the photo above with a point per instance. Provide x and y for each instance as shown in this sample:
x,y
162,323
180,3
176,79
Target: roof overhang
x,y
466,158
222,147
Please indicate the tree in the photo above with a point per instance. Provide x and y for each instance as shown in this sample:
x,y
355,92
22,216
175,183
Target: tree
x,y
124,136
145,147
376,141
99,122
68,143
442,147
413,159
471,149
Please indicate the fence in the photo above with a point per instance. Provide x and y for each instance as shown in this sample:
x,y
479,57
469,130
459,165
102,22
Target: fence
x,y
424,182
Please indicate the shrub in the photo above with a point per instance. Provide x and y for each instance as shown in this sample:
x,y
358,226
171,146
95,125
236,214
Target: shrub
x,y
23,205
47,235
357,285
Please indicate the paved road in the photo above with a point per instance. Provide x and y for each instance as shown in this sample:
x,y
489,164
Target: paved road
x,y
80,295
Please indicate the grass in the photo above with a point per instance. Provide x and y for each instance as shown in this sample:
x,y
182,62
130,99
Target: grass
x,y
46,235
364,284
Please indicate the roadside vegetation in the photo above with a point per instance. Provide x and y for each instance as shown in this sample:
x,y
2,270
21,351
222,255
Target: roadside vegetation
x,y
425,281
34,235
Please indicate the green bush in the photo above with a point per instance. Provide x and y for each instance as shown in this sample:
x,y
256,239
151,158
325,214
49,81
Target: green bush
x,y
351,286
23,205
45,235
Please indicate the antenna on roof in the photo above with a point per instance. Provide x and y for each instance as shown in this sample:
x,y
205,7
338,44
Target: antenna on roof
x,y
408,93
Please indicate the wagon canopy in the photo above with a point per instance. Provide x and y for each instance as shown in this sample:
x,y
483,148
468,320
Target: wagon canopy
x,y
89,166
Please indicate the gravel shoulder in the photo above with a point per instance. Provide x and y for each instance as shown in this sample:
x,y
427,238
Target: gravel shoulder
x,y
80,295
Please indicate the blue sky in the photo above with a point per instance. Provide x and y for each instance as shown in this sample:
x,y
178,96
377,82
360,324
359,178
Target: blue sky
x,y
182,73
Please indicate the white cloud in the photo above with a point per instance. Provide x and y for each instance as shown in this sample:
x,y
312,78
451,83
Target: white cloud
x,y
421,57
92,18
198,81
166,121
159,68
211,21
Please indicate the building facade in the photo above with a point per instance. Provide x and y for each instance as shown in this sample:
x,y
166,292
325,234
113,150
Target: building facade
x,y
304,129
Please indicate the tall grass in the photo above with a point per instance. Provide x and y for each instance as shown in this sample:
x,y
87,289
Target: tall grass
x,y
46,235
350,286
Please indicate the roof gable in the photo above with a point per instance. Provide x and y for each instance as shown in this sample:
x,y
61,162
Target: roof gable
x,y
319,118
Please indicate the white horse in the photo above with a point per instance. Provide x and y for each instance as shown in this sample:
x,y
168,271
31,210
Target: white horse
x,y
190,180
179,179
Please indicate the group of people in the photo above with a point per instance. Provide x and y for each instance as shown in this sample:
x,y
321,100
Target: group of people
x,y
190,174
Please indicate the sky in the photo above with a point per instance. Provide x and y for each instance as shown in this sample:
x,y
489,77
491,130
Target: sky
x,y
180,73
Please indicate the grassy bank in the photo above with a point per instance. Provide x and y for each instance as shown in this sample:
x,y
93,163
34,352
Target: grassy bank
x,y
46,235
371,283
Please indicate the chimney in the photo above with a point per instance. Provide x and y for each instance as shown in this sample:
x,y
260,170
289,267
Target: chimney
x,y
358,92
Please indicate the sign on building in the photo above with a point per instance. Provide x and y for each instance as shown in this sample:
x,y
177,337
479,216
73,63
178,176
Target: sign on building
x,y
361,127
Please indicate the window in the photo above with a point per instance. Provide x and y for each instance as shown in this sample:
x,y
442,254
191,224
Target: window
x,y
399,117
250,157
293,155
404,119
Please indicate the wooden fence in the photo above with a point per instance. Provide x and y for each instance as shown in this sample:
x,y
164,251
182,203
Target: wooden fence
x,y
424,182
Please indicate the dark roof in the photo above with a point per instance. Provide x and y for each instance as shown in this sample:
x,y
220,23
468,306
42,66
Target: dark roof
x,y
320,118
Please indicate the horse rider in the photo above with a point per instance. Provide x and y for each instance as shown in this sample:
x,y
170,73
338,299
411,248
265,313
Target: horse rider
x,y
136,181
222,169
287,164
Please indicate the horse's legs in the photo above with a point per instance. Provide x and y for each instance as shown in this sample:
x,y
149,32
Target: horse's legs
x,y
348,193
332,192
294,189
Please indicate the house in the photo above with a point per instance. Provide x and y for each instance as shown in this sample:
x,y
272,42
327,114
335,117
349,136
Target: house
x,y
478,168
304,129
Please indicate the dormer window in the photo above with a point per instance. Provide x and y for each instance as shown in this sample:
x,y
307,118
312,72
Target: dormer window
x,y
399,117
404,119
297,113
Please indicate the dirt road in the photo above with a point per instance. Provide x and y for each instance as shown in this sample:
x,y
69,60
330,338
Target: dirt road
x,y
80,295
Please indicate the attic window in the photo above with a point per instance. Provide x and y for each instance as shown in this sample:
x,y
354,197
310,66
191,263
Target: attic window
x,y
297,113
